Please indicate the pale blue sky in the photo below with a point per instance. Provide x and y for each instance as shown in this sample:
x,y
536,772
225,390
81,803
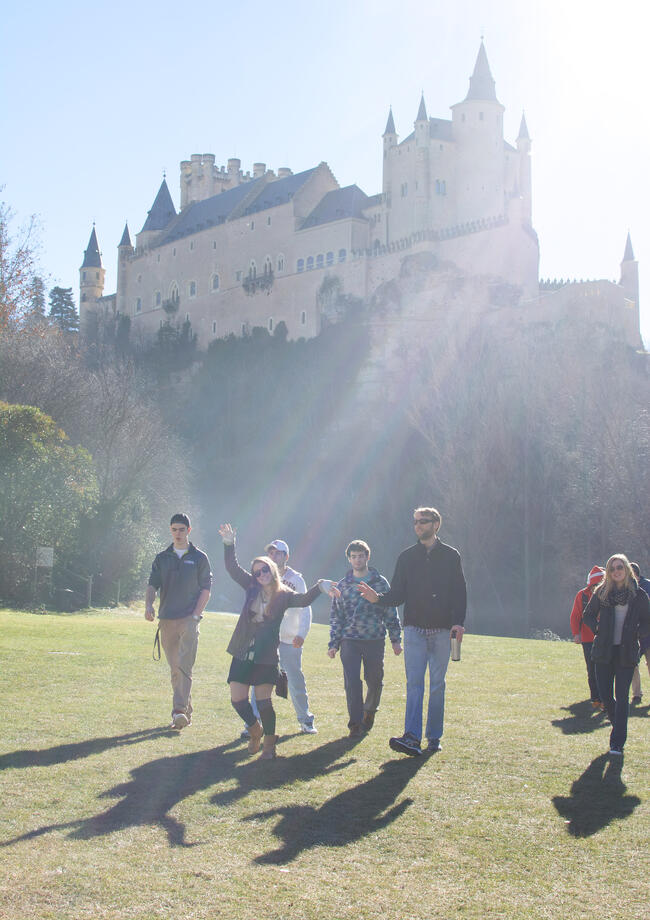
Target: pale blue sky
x,y
98,99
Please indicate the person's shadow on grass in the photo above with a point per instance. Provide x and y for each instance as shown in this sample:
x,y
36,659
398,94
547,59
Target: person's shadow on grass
x,y
349,816
77,750
582,719
597,798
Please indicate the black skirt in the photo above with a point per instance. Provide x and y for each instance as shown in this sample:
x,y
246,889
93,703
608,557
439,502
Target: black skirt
x,y
252,673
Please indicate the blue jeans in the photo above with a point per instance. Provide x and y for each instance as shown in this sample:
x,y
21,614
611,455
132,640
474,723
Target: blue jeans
x,y
291,664
615,678
422,651
371,653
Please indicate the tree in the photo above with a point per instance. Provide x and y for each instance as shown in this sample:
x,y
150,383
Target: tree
x,y
62,309
17,266
37,296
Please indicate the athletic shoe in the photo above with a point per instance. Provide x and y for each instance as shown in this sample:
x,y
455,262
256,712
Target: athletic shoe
x,y
407,744
368,720
616,752
433,746
308,728
636,700
179,720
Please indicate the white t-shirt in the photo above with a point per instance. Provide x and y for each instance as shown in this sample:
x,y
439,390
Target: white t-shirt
x,y
620,612
297,620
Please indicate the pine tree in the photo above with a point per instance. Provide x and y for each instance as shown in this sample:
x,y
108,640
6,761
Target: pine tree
x,y
37,295
62,309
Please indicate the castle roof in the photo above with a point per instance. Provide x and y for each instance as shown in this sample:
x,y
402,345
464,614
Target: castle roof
x,y
162,210
92,255
339,204
439,129
628,255
210,212
422,111
126,237
481,83
390,124
523,129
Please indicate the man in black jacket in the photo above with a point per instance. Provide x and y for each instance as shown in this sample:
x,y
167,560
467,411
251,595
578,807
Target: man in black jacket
x,y
429,581
182,575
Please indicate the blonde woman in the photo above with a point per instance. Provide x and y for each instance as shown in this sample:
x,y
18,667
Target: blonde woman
x,y
254,642
619,616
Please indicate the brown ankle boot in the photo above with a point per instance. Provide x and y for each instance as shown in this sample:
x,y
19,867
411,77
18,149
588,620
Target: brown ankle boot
x,y
269,747
255,731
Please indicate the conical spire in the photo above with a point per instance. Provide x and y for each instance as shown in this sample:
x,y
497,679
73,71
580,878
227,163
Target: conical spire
x,y
628,255
92,255
523,129
390,124
422,111
162,210
126,237
481,83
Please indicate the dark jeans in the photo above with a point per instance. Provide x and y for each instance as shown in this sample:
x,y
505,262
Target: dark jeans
x,y
371,653
591,671
615,677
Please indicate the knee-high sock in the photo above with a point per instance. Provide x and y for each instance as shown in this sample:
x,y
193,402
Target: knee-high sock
x,y
245,711
267,715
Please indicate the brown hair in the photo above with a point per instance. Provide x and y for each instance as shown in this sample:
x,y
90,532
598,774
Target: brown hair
x,y
357,546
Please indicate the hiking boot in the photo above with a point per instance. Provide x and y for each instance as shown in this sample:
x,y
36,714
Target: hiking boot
x,y
269,752
433,746
368,720
356,731
407,744
255,732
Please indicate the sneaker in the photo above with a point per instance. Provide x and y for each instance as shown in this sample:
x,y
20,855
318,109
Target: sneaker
x,y
636,700
433,746
407,744
308,728
356,731
179,720
245,735
615,752
368,720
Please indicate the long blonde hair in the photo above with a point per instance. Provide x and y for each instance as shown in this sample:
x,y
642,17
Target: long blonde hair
x,y
607,585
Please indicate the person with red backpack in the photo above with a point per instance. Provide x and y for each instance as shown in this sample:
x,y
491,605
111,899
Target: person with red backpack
x,y
582,634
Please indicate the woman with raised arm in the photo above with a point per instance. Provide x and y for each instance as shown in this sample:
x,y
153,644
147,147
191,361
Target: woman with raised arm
x,y
254,642
619,616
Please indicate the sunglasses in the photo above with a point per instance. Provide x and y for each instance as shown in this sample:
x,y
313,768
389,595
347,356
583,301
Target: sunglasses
x,y
618,568
264,570
417,521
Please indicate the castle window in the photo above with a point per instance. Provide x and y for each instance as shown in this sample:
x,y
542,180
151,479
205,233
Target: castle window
x,y
270,324
192,289
280,263
480,116
329,258
300,265
268,221
191,245
173,292
238,276
158,258
174,251
187,317
404,189
303,318
268,266
83,276
342,255
215,282
443,186
214,328
310,263
139,278
252,225
83,298
252,269
320,260
97,276
138,305
244,328
214,244
157,299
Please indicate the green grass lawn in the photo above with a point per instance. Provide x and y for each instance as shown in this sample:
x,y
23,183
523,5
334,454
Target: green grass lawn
x,y
105,814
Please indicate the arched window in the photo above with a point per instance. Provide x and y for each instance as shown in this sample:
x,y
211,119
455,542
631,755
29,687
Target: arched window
x,y
214,328
280,262
157,299
138,305
300,265
268,266
329,258
310,263
270,324
83,276
303,318
192,289
252,269
173,292
215,282
320,260
342,255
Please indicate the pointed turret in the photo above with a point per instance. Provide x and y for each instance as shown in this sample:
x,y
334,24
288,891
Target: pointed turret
x,y
92,255
162,210
422,111
390,124
630,284
481,83
628,255
126,238
523,129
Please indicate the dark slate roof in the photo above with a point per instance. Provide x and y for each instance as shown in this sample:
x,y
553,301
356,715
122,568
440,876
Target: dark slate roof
x,y
92,256
481,83
628,255
373,200
439,129
422,111
390,124
162,210
339,204
278,191
126,237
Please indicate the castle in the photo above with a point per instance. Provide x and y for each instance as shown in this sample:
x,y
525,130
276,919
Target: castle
x,y
256,249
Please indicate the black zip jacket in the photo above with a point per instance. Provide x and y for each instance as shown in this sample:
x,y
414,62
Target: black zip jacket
x,y
636,628
180,581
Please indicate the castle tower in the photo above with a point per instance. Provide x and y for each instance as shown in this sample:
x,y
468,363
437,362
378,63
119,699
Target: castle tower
x,y
124,250
390,140
159,217
630,284
525,183
422,182
91,280
477,125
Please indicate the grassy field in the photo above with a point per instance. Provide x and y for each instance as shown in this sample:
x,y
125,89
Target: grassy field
x,y
106,814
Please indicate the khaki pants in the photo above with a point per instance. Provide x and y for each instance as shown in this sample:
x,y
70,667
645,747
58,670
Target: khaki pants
x,y
180,639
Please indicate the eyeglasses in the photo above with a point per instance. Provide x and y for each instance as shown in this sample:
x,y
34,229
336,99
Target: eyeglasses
x,y
618,568
264,570
417,521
